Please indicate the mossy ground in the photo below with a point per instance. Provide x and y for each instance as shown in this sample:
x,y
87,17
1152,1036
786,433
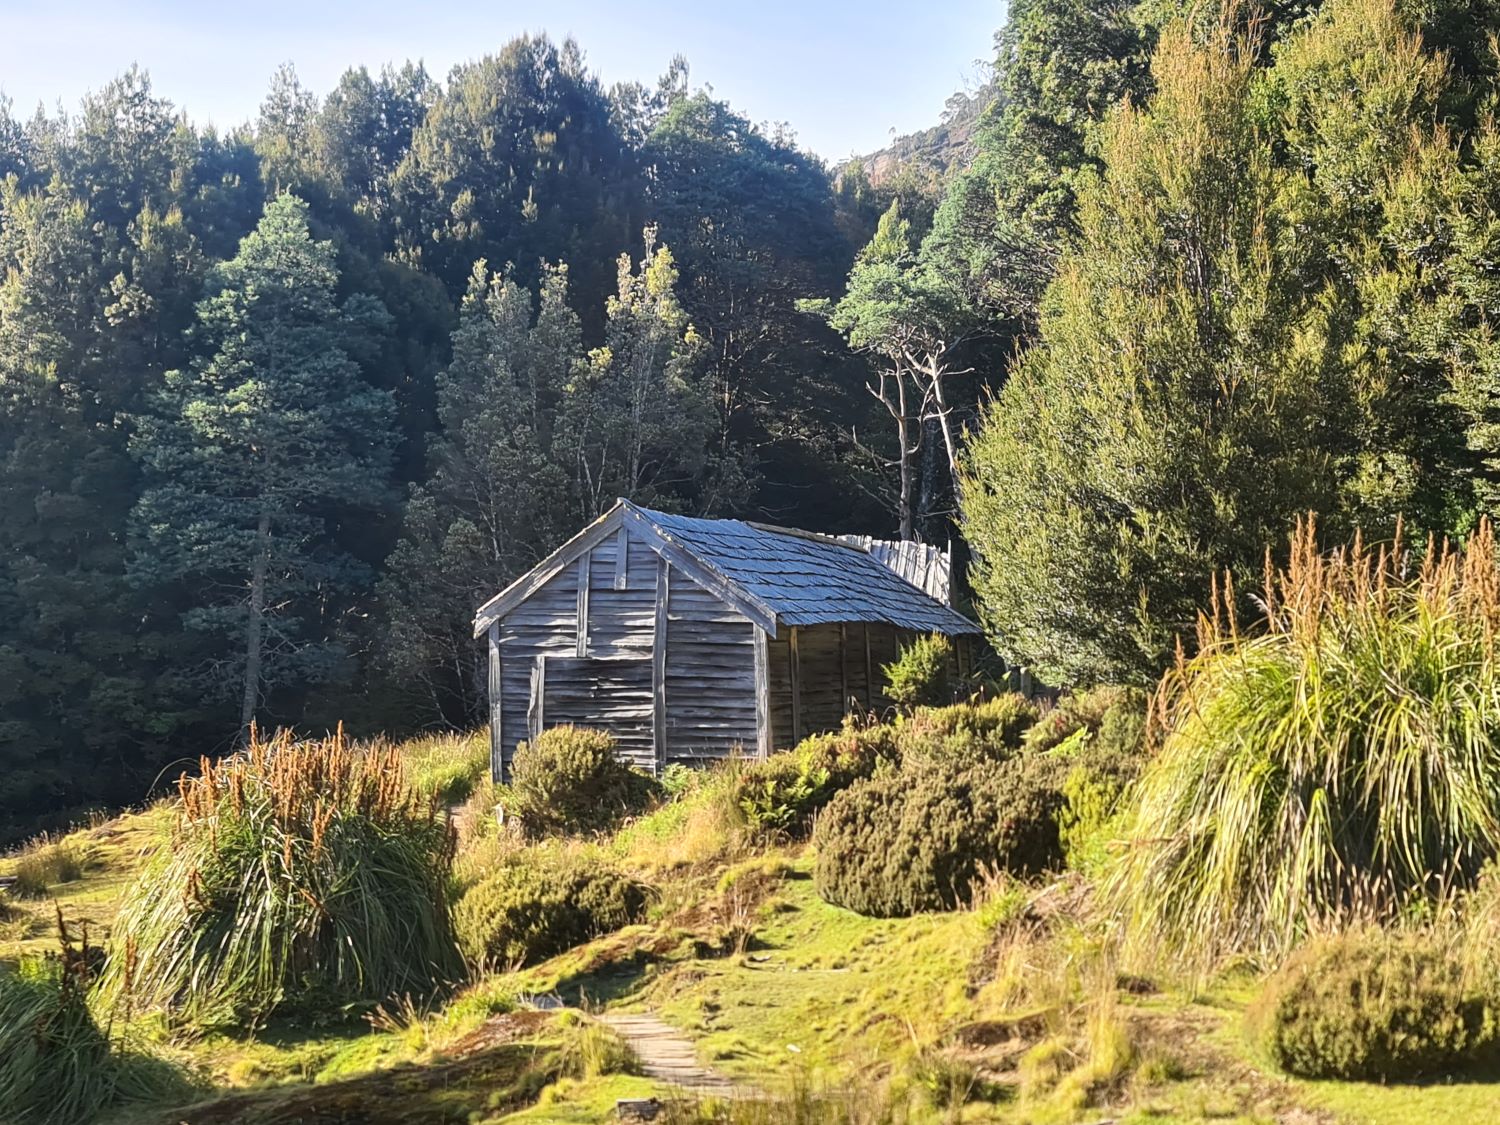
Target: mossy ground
x,y
987,1014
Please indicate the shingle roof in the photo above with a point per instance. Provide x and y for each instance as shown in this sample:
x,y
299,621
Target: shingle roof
x,y
807,579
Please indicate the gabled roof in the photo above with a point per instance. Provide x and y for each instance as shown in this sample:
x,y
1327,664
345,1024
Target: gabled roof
x,y
774,576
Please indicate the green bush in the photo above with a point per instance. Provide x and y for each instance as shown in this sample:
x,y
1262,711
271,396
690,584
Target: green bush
x,y
569,781
1339,758
919,676
782,793
918,838
302,879
990,728
1117,715
1375,1006
536,904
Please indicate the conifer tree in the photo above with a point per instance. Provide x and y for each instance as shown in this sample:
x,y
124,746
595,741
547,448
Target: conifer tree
x,y
256,456
497,499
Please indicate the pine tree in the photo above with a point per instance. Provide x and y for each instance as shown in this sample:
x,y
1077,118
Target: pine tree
x,y
496,500
255,457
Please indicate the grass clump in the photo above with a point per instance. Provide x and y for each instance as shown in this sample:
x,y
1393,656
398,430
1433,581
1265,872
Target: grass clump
x,y
57,1065
922,837
1376,1006
539,903
303,879
919,676
568,781
1340,761
43,864
449,767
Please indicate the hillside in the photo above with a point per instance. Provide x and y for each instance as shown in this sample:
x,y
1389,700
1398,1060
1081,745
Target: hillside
x,y
1013,1009
940,148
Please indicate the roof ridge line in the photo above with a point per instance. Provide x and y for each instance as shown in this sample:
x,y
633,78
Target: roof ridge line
x,y
803,533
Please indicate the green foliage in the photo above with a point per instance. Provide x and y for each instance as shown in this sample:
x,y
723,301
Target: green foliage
x,y
1376,1007
448,767
1207,369
538,903
782,793
1341,759
1114,714
568,780
990,728
303,879
57,1065
919,676
919,838
254,453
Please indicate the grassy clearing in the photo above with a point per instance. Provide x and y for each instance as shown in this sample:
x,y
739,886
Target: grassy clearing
x,y
1016,1011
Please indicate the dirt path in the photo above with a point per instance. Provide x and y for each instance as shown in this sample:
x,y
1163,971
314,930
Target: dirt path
x,y
667,1057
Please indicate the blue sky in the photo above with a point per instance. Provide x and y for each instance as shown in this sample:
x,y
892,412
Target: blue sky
x,y
843,74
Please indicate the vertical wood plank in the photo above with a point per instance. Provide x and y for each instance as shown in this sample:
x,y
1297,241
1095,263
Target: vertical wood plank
x,y
622,557
796,679
869,672
844,667
659,663
764,736
582,647
495,686
534,716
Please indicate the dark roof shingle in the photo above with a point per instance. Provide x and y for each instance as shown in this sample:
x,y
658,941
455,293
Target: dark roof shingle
x,y
808,579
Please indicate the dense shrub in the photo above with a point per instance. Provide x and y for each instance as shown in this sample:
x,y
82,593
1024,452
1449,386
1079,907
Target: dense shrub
x,y
919,675
988,728
538,904
1342,755
568,780
918,838
782,793
301,878
1116,715
1375,1006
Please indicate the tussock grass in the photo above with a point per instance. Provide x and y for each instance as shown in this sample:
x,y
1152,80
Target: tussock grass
x,y
58,1065
43,864
1340,762
302,878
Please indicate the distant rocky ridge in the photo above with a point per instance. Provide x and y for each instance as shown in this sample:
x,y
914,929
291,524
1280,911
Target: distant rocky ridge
x,y
940,147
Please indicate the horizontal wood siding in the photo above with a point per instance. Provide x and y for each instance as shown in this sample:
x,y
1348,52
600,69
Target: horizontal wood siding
x,y
609,693
544,624
621,619
710,676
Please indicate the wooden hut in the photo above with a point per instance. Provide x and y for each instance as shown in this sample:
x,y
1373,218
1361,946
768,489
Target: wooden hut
x,y
689,639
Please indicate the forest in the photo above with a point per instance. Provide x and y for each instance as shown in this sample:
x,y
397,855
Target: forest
x,y
280,405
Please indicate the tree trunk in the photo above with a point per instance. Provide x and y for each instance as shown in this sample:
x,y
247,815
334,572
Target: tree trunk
x,y
260,566
908,530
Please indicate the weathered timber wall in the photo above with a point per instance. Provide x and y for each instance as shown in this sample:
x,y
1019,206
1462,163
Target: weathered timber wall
x,y
710,676
605,678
